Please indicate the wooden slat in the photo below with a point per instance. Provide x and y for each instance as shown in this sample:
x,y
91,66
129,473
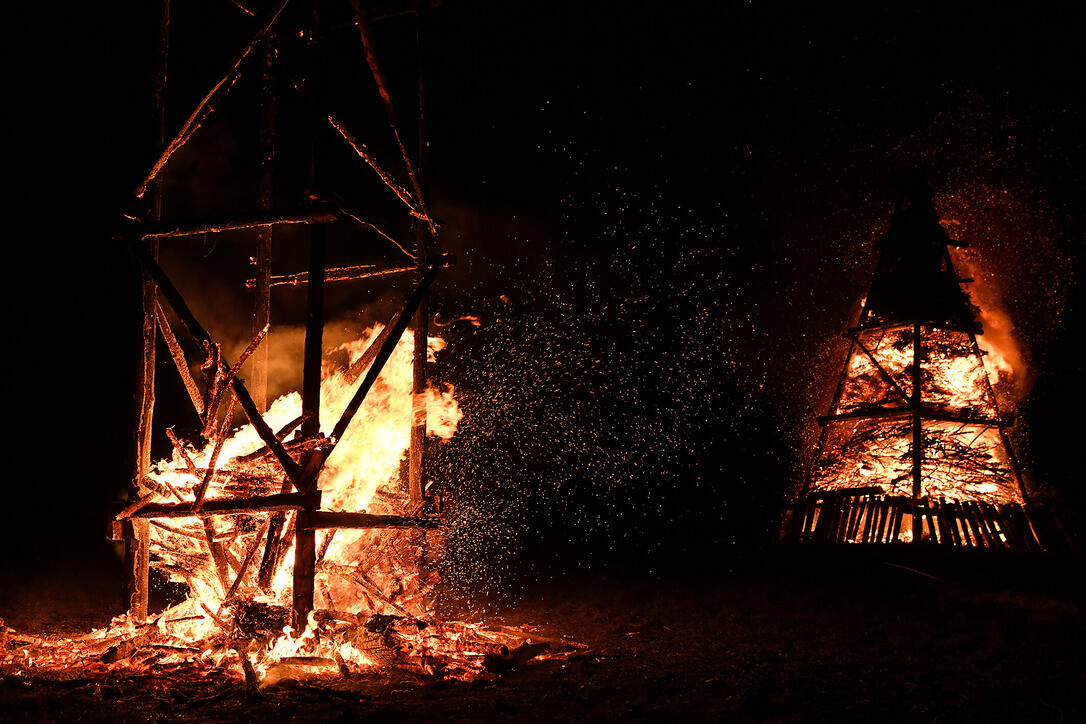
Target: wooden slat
x,y
978,523
869,516
884,514
929,516
991,517
899,512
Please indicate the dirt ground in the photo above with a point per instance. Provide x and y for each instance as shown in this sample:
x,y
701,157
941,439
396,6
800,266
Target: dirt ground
x,y
781,634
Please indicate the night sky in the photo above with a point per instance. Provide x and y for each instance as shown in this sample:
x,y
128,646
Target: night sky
x,y
678,202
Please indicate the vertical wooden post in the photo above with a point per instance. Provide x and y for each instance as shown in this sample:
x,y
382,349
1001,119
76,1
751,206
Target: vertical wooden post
x,y
416,461
918,428
305,548
262,300
137,539
416,466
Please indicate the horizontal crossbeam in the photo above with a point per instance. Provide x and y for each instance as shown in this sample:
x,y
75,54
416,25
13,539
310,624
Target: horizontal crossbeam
x,y
258,504
926,413
198,227
335,519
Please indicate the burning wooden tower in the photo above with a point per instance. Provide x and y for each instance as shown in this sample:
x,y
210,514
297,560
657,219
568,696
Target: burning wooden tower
x,y
914,448
229,525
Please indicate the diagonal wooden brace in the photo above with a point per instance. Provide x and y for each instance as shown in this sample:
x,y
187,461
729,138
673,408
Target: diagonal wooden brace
x,y
181,309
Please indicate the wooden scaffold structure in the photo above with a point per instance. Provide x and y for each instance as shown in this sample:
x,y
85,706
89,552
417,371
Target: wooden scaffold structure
x,y
914,448
301,460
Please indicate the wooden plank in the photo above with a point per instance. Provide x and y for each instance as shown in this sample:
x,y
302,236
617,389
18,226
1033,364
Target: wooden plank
x,y
826,511
945,534
338,274
955,527
137,549
840,509
929,515
884,514
416,463
808,519
260,503
179,360
899,512
854,525
963,525
869,517
991,517
977,521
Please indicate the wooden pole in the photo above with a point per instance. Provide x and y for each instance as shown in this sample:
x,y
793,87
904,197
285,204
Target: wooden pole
x,y
416,468
207,103
305,546
918,430
262,298
138,541
305,551
390,110
179,360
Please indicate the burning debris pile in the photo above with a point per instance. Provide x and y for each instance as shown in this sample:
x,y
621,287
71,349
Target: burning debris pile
x,y
374,587
914,447
354,566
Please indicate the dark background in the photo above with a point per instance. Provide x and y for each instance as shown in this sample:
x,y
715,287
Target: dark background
x,y
677,200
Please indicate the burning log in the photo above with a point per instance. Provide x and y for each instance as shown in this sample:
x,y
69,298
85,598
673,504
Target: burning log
x,y
382,356
361,364
179,361
179,447
126,648
216,551
247,560
198,501
252,681
303,445
366,582
280,435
